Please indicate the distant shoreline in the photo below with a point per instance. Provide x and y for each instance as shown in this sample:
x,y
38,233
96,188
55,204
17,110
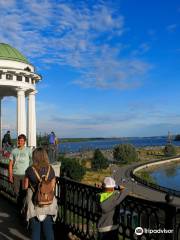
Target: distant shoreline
x,y
71,140
80,145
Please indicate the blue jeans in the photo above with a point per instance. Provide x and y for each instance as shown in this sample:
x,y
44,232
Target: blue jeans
x,y
47,228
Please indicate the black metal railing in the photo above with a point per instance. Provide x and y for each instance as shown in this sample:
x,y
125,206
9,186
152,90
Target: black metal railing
x,y
78,213
6,186
78,208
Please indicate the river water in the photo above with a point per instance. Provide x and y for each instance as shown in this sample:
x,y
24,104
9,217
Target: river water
x,y
167,176
111,143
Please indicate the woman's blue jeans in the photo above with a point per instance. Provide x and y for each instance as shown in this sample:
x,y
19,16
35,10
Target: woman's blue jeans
x,y
46,226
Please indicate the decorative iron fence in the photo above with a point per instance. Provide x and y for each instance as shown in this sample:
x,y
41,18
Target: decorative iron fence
x,y
78,213
5,185
78,208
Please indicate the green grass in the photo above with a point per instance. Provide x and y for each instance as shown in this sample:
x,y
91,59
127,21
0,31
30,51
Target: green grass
x,y
146,176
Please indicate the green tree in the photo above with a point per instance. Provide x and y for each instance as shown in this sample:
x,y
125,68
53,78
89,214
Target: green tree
x,y
125,153
42,140
72,169
99,161
169,150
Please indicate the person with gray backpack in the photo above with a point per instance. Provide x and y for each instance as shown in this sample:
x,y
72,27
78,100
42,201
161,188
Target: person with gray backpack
x,y
40,200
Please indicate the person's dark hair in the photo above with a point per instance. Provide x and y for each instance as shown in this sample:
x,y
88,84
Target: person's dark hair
x,y
22,136
40,158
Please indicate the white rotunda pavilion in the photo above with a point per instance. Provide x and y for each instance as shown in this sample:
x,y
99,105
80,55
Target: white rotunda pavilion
x,y
18,78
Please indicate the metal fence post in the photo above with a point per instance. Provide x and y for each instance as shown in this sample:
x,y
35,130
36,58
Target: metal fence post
x,y
170,219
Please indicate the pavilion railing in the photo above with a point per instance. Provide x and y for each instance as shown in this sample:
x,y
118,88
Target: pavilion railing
x,y
78,212
6,186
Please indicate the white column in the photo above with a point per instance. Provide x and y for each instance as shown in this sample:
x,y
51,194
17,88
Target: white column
x,y
21,111
31,120
0,123
3,76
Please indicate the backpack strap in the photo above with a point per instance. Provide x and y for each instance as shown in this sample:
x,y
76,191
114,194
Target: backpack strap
x,y
37,174
32,188
38,177
47,175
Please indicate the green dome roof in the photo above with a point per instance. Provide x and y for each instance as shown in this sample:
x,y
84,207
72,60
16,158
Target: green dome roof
x,y
9,53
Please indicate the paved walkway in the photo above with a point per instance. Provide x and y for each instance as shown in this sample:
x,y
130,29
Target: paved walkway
x,y
11,227
136,188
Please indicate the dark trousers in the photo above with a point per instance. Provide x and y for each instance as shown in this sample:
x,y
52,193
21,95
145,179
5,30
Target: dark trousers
x,y
18,179
19,191
110,235
46,226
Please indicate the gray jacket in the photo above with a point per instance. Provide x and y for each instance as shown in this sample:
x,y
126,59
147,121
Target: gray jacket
x,y
110,211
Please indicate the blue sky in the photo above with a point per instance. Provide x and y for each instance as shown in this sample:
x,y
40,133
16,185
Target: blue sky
x,y
110,68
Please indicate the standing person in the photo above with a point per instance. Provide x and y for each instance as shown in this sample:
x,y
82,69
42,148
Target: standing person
x,y
20,159
40,217
6,142
108,202
52,147
52,138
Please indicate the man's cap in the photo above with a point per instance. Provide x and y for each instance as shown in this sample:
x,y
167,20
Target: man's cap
x,y
109,182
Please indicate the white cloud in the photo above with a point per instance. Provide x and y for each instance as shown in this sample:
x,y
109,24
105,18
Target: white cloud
x,y
7,3
113,73
77,35
172,28
143,48
136,119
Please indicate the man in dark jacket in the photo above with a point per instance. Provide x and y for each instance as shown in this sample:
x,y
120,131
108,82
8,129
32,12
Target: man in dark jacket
x,y
109,200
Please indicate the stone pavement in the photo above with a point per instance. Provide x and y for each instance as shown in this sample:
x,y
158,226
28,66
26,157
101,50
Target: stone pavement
x,y
136,188
11,227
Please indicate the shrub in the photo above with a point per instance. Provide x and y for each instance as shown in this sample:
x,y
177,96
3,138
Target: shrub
x,y
42,139
125,153
169,150
146,176
72,169
99,161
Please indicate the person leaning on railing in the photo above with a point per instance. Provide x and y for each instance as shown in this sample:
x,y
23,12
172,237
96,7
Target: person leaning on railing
x,y
108,201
